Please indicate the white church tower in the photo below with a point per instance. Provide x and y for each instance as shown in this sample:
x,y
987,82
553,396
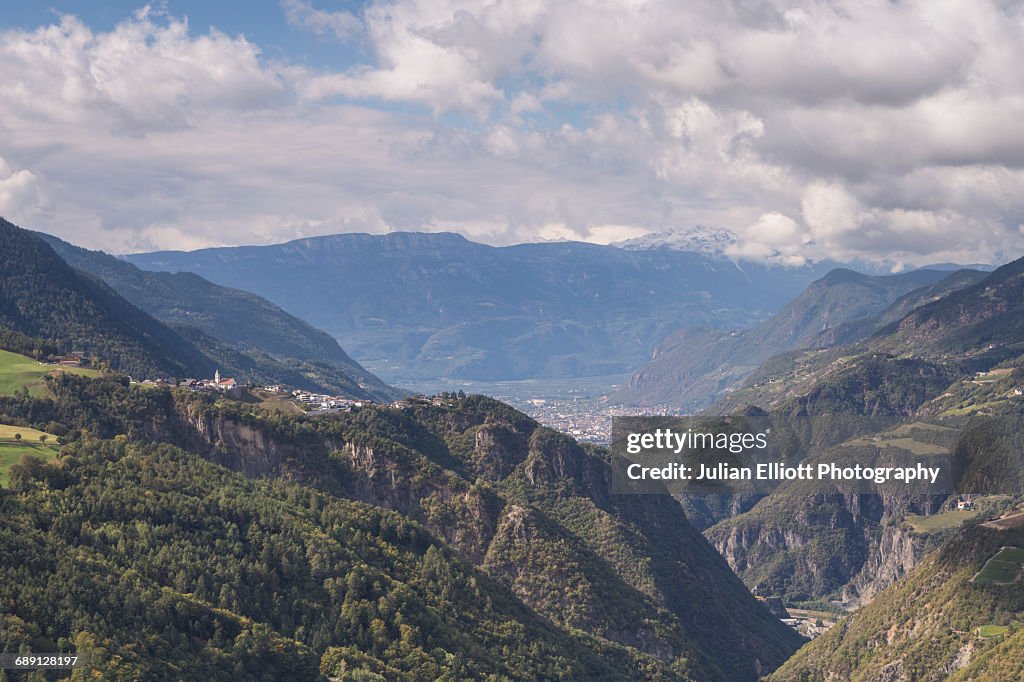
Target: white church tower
x,y
216,377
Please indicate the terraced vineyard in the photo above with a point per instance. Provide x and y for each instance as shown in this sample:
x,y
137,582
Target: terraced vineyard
x,y
1003,568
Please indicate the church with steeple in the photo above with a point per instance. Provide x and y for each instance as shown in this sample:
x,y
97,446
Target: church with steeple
x,y
226,385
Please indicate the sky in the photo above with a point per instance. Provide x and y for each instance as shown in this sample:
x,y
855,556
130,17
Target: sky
x,y
885,130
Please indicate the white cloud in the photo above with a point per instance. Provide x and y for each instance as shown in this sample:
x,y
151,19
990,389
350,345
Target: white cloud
x,y
139,77
20,195
840,128
772,237
302,14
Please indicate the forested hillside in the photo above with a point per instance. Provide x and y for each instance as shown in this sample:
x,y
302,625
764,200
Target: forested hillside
x,y
954,618
42,297
459,539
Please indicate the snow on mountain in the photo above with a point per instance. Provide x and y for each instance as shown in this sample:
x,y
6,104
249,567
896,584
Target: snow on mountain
x,y
709,241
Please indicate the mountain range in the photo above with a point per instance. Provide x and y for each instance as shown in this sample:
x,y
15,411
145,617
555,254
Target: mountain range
x,y
416,307
950,371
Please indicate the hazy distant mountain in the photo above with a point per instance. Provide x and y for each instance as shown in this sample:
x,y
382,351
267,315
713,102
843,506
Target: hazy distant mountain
x,y
976,324
708,241
694,365
413,306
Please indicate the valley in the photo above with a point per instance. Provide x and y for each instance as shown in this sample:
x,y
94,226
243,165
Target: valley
x,y
579,406
488,341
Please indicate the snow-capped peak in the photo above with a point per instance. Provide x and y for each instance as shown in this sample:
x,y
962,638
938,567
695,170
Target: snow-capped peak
x,y
709,241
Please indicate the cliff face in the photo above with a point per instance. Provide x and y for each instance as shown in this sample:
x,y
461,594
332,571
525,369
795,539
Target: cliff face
x,y
798,553
896,552
839,546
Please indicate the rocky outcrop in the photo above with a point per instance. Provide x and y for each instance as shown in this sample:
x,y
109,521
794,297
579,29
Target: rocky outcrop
x,y
896,553
497,451
245,446
466,517
556,457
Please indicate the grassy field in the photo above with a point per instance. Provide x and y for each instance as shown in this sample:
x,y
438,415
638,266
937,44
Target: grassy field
x,y
7,434
1003,568
903,437
11,449
17,371
935,522
953,519
269,400
993,630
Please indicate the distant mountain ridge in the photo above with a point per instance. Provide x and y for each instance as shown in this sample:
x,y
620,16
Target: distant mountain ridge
x,y
417,305
967,320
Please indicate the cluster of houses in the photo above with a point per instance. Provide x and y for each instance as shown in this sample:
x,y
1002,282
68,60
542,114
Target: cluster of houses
x,y
420,399
318,403
312,403
808,627
323,404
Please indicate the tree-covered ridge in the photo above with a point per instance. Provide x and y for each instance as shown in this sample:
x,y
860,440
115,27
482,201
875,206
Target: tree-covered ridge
x,y
163,565
42,297
534,508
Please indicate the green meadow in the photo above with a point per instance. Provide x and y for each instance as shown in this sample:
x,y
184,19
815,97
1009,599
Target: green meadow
x,y
17,371
12,448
